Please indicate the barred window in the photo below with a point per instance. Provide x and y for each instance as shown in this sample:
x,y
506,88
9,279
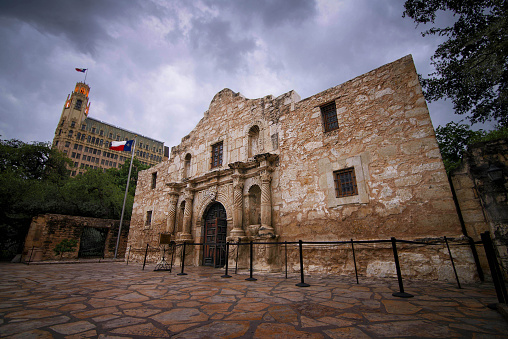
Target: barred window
x,y
148,221
345,182
217,155
329,116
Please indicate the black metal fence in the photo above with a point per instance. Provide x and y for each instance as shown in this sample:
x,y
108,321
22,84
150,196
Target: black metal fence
x,y
179,251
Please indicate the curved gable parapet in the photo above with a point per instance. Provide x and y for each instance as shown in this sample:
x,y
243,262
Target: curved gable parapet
x,y
224,95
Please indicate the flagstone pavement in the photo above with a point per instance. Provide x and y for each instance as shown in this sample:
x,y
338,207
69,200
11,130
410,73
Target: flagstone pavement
x,y
115,300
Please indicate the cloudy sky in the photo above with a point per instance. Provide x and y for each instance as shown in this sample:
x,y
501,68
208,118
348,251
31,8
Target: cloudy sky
x,y
155,65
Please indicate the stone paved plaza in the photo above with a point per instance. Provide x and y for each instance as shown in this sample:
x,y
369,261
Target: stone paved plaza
x,y
113,300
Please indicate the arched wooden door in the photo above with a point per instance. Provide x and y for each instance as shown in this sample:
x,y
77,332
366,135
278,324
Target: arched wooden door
x,y
214,250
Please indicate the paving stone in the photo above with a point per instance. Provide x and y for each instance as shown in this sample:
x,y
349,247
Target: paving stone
x,y
113,300
18,327
143,330
400,307
283,331
73,328
180,315
218,329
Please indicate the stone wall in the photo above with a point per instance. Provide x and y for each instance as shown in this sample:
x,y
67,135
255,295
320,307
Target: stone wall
x,y
482,201
48,230
276,181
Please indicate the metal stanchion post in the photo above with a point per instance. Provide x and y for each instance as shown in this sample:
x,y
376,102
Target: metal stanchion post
x,y
286,255
302,282
237,250
227,261
451,259
146,253
250,278
354,260
401,293
183,260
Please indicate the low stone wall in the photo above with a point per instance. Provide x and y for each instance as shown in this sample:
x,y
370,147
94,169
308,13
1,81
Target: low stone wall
x,y
48,230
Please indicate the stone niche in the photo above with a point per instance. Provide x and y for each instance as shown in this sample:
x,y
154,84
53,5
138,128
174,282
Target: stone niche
x,y
357,161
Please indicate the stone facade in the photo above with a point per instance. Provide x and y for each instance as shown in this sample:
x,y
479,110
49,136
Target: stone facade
x,y
482,198
48,230
271,165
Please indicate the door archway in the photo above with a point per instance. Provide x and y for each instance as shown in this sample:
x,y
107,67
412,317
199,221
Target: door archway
x,y
214,249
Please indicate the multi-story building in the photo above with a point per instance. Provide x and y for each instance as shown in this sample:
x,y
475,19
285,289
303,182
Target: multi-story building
x,y
86,140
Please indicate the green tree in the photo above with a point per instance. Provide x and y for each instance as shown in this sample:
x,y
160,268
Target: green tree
x,y
454,138
66,245
472,65
34,179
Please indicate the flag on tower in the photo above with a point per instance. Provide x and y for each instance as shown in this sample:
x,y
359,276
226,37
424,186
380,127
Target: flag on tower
x,y
121,145
82,70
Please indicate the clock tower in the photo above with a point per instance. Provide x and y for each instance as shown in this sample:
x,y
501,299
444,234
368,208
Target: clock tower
x,y
74,113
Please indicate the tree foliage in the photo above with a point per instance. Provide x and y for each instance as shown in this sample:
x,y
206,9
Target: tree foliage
x,y
454,138
472,65
34,179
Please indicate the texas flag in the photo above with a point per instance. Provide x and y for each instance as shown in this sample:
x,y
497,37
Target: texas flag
x,y
121,145
82,70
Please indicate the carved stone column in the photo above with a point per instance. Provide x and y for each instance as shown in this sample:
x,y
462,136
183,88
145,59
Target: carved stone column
x,y
173,200
237,230
266,204
187,216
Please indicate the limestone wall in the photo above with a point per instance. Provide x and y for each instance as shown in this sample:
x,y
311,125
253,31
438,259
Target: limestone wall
x,y
276,181
48,230
386,134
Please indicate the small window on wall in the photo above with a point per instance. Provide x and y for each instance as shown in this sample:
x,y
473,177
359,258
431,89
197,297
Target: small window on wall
x,y
148,221
154,179
78,104
329,116
217,155
345,182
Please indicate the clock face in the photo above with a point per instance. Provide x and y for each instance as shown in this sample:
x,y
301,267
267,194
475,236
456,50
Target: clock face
x,y
83,90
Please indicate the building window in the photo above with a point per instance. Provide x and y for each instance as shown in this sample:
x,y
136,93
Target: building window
x,y
217,155
154,179
78,104
70,134
345,182
73,124
329,116
148,221
83,127
67,144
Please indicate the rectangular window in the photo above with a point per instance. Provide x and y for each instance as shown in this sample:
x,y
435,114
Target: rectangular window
x,y
345,182
329,116
217,155
78,104
148,221
154,179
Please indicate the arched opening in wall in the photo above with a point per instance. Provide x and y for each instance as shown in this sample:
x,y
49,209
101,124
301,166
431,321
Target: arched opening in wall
x,y
187,166
179,222
253,141
214,250
254,202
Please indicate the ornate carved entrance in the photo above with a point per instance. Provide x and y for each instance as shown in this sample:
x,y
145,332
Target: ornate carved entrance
x,y
214,250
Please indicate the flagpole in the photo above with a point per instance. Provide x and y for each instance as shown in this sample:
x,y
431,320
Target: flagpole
x,y
86,73
125,198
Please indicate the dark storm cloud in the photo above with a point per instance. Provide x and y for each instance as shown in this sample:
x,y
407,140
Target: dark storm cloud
x,y
82,23
214,37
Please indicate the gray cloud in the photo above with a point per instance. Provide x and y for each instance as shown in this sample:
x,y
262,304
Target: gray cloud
x,y
155,65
